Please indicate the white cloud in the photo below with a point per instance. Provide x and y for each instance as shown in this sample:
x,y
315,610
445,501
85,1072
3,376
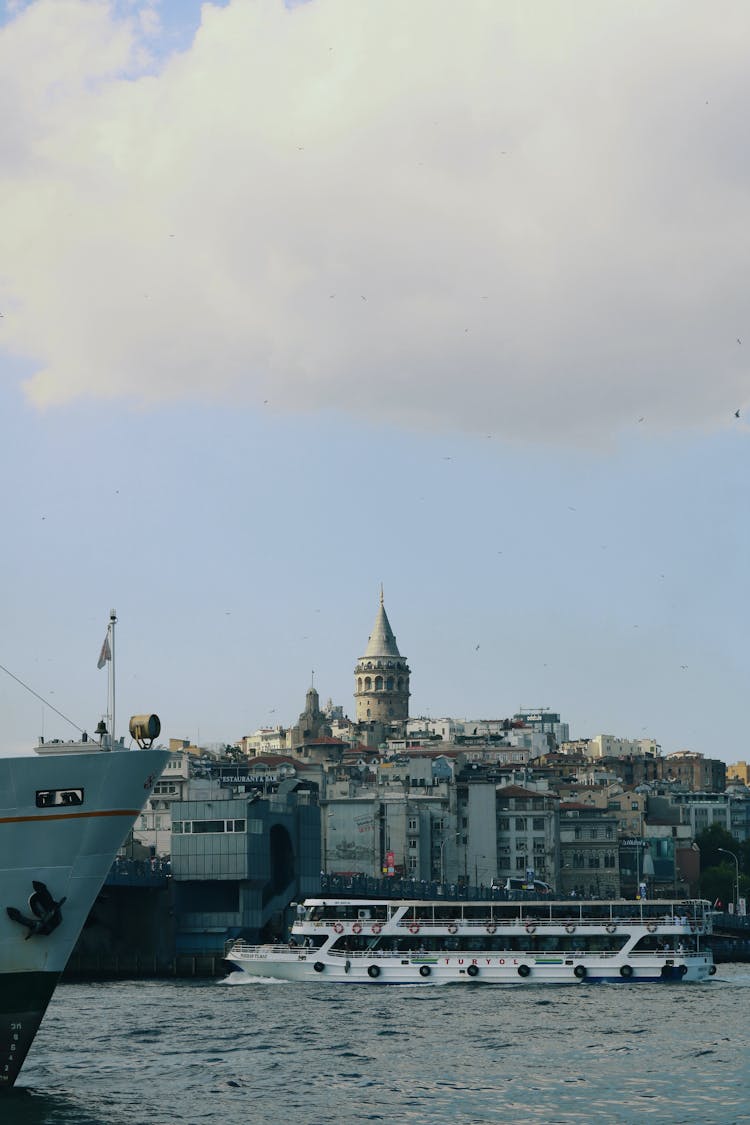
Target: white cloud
x,y
522,219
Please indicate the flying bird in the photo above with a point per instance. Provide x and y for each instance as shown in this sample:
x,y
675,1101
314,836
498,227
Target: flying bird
x,y
736,413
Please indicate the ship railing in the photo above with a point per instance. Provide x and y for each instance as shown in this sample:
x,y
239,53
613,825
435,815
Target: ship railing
x,y
471,924
244,948
469,954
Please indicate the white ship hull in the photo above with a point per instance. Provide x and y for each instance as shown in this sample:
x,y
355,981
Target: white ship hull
x,y
67,850
474,968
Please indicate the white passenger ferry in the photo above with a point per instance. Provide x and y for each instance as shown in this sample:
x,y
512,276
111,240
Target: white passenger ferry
x,y
410,942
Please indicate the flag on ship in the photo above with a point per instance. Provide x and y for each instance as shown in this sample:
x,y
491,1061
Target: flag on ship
x,y
105,654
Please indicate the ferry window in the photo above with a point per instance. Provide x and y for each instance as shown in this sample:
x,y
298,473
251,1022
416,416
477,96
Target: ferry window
x,y
52,798
208,826
239,826
177,827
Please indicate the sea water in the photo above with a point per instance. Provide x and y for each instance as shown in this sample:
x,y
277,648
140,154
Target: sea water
x,y
260,1051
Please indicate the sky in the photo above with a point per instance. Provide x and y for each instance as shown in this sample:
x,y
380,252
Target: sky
x,y
301,298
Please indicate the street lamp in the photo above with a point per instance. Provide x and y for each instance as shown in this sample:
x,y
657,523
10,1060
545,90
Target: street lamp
x,y
726,851
442,854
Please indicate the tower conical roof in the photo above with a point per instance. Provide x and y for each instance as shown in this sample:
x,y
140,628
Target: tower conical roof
x,y
382,642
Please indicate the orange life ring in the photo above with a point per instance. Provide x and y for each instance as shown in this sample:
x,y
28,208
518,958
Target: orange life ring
x,y
339,929
453,928
414,928
376,928
357,928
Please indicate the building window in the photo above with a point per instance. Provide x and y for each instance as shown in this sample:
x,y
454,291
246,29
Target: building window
x,y
412,824
503,824
538,824
520,824
520,863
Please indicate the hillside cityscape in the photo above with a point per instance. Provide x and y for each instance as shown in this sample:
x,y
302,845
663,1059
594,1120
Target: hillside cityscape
x,y
483,802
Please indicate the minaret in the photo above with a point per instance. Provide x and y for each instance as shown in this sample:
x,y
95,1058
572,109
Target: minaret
x,y
381,685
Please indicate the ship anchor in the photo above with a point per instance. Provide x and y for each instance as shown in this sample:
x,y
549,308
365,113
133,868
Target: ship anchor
x,y
46,911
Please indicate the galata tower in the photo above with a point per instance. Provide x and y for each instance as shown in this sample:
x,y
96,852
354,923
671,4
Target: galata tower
x,y
381,685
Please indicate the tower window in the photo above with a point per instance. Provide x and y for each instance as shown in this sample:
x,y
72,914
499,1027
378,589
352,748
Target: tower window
x,y
378,683
359,684
389,684
368,683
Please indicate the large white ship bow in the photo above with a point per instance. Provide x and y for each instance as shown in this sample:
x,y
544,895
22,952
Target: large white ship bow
x,y
62,819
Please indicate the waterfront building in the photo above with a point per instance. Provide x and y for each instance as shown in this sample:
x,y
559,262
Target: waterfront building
x,y
589,851
238,862
153,827
390,819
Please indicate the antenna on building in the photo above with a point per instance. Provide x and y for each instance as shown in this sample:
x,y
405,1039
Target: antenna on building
x,y
381,593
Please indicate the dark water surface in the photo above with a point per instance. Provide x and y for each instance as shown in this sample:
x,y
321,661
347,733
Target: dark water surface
x,y
172,1052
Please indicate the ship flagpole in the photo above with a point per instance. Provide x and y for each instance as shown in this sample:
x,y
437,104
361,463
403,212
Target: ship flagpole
x,y
112,620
